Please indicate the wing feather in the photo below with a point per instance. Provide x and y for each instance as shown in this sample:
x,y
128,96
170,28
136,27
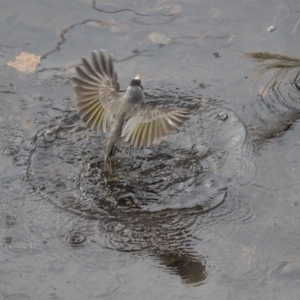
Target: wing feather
x,y
151,124
96,91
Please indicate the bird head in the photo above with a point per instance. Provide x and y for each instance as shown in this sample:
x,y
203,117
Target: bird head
x,y
136,82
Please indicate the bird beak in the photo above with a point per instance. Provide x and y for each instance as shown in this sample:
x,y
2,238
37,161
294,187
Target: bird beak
x,y
138,76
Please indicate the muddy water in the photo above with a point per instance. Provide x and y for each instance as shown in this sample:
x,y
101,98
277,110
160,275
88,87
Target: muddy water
x,y
211,212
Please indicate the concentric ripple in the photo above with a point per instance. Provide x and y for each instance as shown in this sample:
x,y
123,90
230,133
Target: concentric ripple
x,y
75,239
156,193
11,150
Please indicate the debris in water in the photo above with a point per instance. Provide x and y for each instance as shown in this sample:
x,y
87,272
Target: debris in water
x,y
25,62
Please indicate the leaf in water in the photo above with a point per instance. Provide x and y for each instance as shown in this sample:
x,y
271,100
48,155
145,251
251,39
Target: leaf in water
x,y
158,38
25,62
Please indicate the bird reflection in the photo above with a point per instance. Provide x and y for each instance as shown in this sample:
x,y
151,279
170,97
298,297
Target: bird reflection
x,y
192,270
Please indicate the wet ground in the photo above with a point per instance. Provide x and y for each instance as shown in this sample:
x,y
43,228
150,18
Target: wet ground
x,y
212,212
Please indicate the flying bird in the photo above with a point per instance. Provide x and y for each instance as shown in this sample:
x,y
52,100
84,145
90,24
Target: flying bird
x,y
124,116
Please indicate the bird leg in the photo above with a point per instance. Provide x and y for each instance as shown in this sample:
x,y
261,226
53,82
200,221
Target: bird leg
x,y
107,164
107,157
108,153
112,139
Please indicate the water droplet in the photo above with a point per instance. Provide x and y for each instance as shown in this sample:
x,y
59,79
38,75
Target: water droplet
x,y
49,136
46,102
6,219
66,100
21,160
79,128
217,54
10,221
222,116
54,296
42,187
7,240
113,226
75,239
10,150
271,28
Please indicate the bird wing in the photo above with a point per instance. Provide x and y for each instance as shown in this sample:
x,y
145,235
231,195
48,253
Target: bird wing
x,y
96,91
151,124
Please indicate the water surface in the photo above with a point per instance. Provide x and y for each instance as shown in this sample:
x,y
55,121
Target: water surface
x,y
211,212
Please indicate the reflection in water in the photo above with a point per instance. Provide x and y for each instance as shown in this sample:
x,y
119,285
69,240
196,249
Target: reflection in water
x,y
278,107
192,270
275,113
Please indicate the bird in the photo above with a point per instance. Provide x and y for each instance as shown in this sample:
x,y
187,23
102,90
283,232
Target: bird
x,y
124,116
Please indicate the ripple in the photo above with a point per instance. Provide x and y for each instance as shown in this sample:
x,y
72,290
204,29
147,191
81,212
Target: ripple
x,y
222,116
274,113
18,246
17,296
236,211
159,195
5,288
286,248
43,118
96,285
242,272
7,240
54,296
56,265
10,150
6,220
21,160
46,102
113,225
187,60
154,173
49,135
75,239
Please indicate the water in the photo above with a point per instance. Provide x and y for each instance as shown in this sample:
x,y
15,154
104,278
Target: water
x,y
211,212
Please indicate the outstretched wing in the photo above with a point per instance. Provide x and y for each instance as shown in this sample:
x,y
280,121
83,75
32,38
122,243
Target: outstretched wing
x,y
96,91
151,124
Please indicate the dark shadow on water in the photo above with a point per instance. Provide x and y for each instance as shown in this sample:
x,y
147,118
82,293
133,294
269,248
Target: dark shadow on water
x,y
191,270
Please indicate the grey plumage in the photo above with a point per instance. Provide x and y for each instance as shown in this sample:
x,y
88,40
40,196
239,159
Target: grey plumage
x,y
127,116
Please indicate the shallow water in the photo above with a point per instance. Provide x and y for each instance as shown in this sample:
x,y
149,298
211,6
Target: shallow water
x,y
212,212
